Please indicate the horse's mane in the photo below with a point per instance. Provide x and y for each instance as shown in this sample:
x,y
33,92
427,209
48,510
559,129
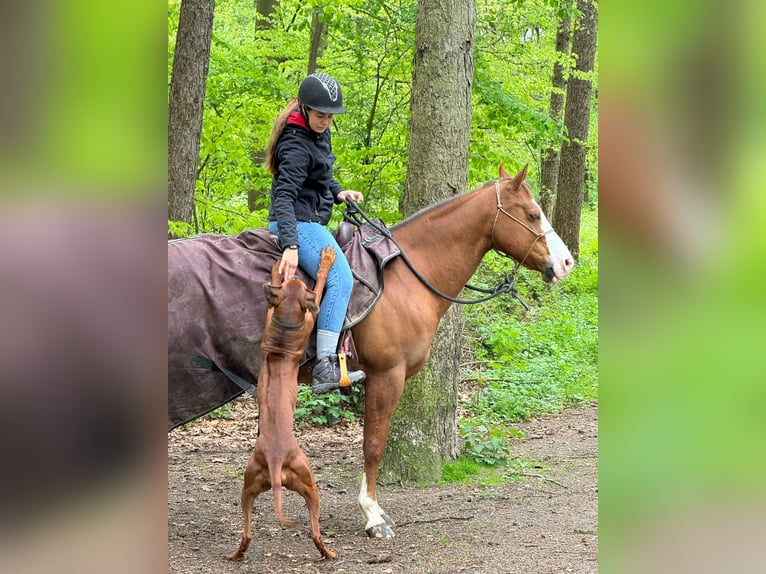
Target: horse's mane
x,y
439,204
433,207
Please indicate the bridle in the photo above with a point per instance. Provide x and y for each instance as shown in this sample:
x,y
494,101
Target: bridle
x,y
500,210
355,214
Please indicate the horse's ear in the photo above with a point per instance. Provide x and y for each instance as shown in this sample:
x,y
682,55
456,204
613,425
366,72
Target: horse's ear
x,y
519,178
503,173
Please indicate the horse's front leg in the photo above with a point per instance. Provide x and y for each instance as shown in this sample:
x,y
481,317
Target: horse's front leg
x,y
378,523
381,396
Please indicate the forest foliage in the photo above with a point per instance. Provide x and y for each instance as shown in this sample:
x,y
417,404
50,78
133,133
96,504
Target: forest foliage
x,y
518,364
369,48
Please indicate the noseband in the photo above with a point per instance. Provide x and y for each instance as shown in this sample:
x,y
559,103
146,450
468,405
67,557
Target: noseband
x,y
500,210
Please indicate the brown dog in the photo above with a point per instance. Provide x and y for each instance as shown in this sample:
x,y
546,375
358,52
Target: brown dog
x,y
277,459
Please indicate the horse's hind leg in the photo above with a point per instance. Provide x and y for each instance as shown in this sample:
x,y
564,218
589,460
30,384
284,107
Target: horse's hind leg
x,y
253,486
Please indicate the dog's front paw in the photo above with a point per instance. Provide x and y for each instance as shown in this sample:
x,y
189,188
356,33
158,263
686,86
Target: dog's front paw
x,y
328,257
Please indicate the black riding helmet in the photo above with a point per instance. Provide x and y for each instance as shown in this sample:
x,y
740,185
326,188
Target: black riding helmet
x,y
322,93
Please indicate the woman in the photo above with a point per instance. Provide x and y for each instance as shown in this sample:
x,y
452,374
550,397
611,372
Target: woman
x,y
303,192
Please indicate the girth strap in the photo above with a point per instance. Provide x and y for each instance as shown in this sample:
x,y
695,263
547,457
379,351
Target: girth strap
x,y
206,363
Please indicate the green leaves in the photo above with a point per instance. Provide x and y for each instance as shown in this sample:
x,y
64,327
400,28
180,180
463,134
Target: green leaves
x,y
327,409
369,47
486,443
537,363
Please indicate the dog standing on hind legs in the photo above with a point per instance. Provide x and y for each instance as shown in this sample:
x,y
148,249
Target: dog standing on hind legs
x,y
277,459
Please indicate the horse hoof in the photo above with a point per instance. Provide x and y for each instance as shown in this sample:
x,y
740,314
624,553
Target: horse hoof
x,y
380,531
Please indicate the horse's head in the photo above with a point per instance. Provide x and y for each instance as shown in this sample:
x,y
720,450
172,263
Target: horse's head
x,y
521,230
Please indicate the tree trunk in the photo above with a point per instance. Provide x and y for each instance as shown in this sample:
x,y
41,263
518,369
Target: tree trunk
x,y
550,172
264,9
438,168
318,29
566,213
187,95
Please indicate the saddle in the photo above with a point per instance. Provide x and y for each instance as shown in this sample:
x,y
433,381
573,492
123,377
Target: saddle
x,y
216,309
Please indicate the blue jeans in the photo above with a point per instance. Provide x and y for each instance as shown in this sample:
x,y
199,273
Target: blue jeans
x,y
313,238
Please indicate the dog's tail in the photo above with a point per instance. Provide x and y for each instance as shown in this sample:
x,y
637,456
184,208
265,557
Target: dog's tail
x,y
275,472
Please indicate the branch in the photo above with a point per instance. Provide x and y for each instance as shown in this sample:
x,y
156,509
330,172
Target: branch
x,y
532,475
419,521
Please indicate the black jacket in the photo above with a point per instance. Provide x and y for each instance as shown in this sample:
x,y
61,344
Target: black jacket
x,y
304,188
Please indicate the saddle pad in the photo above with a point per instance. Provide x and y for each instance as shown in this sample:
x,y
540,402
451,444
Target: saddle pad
x,y
216,310
368,252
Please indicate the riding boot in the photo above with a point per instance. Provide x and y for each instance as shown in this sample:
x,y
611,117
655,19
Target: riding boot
x,y
326,373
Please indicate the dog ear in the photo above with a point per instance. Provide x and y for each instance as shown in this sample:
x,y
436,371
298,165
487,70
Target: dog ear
x,y
273,294
310,302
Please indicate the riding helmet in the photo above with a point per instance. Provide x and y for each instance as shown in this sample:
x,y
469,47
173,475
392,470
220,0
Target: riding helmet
x,y
322,93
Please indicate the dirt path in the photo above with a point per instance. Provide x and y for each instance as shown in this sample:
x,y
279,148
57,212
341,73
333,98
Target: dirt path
x,y
545,523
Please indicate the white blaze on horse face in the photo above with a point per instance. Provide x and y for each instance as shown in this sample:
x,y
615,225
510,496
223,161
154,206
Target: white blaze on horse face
x,y
371,512
560,256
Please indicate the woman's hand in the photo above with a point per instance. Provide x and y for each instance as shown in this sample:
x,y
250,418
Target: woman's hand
x,y
288,265
347,194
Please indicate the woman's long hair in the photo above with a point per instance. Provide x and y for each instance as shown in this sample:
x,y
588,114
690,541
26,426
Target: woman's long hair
x,y
279,127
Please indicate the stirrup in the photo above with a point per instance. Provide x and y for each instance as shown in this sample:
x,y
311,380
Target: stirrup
x,y
331,373
344,380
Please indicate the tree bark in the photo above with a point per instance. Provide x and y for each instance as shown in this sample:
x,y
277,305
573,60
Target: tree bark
x,y
438,168
566,213
550,170
187,96
318,29
264,9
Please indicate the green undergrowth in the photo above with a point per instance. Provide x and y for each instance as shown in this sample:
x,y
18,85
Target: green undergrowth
x,y
328,409
524,364
465,471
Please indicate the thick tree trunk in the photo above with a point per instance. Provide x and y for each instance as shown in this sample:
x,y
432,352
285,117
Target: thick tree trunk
x,y
550,169
566,213
187,95
424,430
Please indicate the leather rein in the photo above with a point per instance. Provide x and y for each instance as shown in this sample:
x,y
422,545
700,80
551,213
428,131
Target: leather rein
x,y
507,285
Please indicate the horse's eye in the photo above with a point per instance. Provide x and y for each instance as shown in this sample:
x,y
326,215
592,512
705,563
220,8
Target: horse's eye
x,y
533,216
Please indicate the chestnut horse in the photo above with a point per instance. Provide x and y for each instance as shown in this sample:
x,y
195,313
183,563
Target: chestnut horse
x,y
393,342
445,244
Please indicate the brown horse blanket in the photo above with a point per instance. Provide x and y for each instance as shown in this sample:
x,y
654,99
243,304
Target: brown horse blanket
x,y
217,310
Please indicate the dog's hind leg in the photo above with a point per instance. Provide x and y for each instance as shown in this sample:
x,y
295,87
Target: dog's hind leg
x,y
301,480
255,484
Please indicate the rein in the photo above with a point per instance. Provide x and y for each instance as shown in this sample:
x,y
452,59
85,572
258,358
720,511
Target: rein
x,y
355,214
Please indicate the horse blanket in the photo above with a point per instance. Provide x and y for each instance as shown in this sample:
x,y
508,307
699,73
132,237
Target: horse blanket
x,y
217,310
